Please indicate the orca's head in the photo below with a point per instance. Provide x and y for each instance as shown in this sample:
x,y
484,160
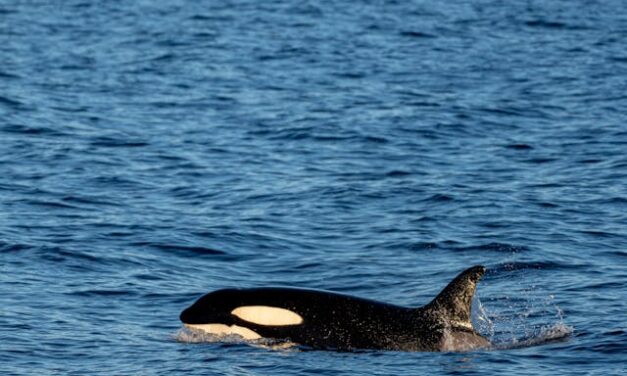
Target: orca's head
x,y
190,316
225,312
205,310
213,314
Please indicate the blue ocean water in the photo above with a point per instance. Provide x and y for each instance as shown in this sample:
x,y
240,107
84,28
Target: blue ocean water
x,y
152,151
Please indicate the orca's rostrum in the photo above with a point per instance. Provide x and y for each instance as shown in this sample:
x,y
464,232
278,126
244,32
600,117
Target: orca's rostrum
x,y
327,320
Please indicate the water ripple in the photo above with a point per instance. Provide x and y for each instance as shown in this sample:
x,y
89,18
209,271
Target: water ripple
x,y
152,152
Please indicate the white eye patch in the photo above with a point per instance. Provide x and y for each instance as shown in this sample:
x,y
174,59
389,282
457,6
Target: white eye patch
x,y
224,330
269,316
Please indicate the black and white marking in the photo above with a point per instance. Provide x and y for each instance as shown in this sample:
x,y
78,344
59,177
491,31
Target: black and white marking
x,y
327,320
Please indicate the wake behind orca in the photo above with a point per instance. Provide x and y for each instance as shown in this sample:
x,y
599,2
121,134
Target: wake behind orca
x,y
332,321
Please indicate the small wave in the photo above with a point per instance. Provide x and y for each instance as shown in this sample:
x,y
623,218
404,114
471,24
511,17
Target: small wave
x,y
416,34
114,142
440,197
602,234
618,59
494,247
182,248
519,146
545,24
540,160
6,74
87,200
8,247
620,200
541,265
397,173
102,292
189,250
48,204
30,130
10,102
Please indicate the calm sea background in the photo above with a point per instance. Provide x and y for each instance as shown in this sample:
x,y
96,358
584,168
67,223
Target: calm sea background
x,y
151,152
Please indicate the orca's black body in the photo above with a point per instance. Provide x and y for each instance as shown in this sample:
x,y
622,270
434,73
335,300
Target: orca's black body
x,y
327,320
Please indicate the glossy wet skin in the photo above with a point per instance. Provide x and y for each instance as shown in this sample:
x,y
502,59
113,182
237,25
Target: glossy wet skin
x,y
329,320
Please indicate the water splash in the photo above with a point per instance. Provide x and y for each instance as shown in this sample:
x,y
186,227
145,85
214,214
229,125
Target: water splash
x,y
506,331
557,332
481,319
188,335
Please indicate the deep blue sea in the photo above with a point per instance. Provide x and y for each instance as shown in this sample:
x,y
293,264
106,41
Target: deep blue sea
x,y
153,151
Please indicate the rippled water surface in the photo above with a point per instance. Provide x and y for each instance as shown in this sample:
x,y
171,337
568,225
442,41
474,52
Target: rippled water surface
x,y
152,151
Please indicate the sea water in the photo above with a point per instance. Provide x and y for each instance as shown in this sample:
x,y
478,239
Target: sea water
x,y
151,152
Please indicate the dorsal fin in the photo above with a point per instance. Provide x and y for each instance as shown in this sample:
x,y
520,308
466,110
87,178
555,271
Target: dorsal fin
x,y
453,303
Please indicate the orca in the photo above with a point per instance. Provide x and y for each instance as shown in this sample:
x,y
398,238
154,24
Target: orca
x,y
331,321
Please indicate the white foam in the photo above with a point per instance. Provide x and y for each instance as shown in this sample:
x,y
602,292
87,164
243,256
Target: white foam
x,y
547,334
192,335
225,330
